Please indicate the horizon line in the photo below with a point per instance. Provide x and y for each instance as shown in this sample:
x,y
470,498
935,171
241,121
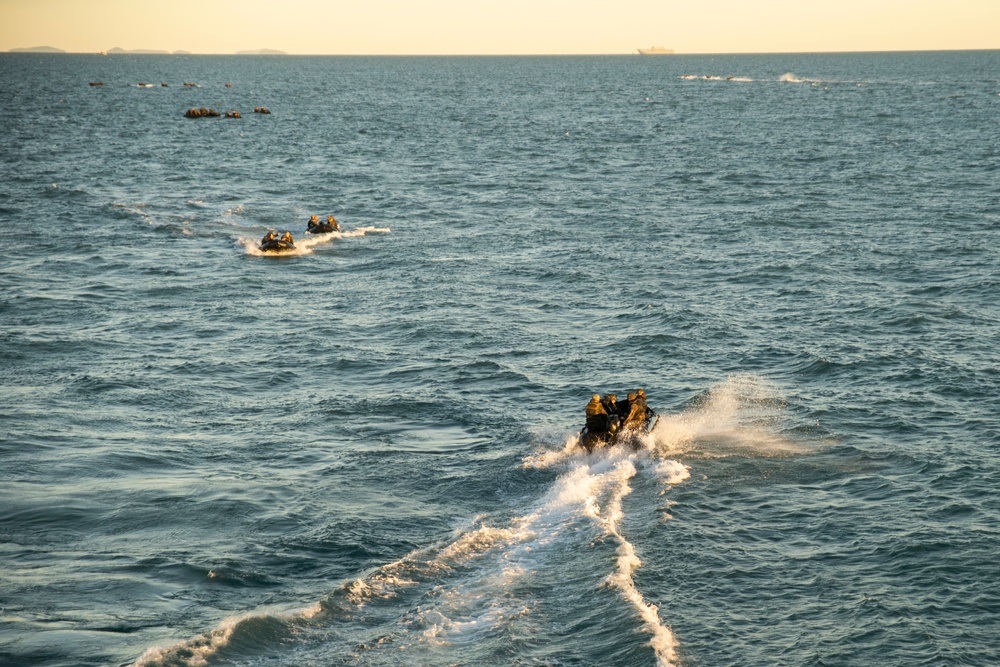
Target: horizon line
x,y
48,50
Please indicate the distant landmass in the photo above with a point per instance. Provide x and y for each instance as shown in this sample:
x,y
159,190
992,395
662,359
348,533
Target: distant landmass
x,y
38,49
261,52
118,51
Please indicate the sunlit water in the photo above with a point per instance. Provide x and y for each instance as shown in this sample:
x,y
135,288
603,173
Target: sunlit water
x,y
362,452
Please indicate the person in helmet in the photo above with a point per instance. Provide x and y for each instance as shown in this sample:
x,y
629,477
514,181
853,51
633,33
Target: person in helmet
x,y
332,221
287,238
640,396
597,416
637,409
313,221
270,236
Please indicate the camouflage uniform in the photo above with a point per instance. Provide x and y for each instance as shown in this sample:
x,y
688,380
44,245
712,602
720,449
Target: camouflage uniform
x,y
637,410
597,416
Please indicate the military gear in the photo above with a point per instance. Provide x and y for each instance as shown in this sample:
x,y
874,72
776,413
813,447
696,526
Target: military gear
x,y
637,410
597,416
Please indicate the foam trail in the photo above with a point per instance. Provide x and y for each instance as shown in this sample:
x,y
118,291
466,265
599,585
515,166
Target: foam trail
x,y
464,602
304,244
663,642
591,489
589,481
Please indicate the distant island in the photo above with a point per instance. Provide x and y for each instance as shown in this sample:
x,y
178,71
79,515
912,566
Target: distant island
x,y
120,51
38,49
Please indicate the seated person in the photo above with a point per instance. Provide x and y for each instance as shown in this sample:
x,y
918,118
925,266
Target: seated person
x,y
641,396
610,403
330,220
637,409
313,221
287,238
597,416
267,238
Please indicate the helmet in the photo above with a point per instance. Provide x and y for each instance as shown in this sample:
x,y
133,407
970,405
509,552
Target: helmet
x,y
631,396
597,397
641,392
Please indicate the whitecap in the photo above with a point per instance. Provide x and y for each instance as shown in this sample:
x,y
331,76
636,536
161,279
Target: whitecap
x,y
791,78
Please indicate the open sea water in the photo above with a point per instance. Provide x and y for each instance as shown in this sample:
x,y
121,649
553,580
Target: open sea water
x,y
362,453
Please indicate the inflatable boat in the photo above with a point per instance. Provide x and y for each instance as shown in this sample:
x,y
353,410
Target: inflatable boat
x,y
277,245
614,427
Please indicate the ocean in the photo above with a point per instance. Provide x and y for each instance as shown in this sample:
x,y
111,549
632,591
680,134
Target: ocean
x,y
363,452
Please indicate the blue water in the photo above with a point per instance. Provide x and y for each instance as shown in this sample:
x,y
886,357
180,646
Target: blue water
x,y
363,453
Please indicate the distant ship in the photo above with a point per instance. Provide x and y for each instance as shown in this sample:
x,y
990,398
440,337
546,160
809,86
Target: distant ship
x,y
655,51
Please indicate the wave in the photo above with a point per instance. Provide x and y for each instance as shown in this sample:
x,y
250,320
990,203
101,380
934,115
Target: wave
x,y
304,245
741,416
250,628
791,78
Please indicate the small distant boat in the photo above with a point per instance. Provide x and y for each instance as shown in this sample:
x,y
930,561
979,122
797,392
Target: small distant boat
x,y
317,227
655,51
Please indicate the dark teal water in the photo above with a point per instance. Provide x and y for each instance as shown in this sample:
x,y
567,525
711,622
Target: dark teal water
x,y
362,453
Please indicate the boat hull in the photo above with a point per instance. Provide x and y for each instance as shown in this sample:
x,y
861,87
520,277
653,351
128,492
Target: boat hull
x,y
322,229
631,437
277,246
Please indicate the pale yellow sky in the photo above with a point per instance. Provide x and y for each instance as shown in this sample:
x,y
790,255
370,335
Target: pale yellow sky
x,y
500,26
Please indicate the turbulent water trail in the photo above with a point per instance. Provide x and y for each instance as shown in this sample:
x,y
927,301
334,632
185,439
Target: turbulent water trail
x,y
472,586
663,641
304,244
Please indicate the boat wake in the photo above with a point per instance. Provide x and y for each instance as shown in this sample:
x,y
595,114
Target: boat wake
x,y
305,243
791,78
784,78
475,595
480,584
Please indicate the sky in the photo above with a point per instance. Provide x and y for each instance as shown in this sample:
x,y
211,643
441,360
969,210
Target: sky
x,y
500,27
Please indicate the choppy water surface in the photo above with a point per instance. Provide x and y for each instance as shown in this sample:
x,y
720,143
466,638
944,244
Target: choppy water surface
x,y
362,453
